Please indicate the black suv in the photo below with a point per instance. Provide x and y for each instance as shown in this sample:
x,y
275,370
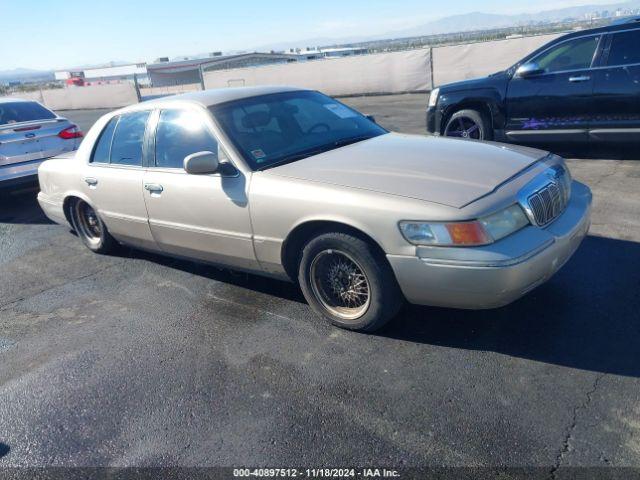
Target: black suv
x,y
581,87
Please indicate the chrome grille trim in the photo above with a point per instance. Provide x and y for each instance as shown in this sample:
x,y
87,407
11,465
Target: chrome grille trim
x,y
548,203
549,197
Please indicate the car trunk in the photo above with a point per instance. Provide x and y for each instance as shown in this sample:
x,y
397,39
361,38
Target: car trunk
x,y
33,140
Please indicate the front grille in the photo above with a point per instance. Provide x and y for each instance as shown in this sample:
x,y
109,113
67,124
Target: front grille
x,y
548,202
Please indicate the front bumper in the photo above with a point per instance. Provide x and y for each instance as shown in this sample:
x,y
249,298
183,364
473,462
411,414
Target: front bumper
x,y
433,119
498,274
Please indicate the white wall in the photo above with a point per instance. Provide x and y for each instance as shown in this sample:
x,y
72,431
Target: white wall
x,y
392,72
78,98
461,62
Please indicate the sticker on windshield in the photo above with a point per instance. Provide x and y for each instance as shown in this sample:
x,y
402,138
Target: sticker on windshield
x,y
258,154
339,110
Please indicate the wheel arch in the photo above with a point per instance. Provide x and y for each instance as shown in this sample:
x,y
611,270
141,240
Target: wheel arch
x,y
303,232
481,106
488,102
70,197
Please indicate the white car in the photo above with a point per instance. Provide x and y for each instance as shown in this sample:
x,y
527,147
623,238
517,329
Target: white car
x,y
29,134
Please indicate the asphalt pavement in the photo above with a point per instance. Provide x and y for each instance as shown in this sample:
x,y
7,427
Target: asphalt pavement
x,y
136,359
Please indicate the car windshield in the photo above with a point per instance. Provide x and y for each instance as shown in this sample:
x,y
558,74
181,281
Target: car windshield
x,y
16,112
271,130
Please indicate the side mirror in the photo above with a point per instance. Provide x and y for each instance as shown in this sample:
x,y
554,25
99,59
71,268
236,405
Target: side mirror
x,y
201,162
372,118
529,70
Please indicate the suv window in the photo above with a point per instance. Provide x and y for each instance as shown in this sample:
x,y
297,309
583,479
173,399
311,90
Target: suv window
x,y
126,148
624,48
181,133
103,148
571,55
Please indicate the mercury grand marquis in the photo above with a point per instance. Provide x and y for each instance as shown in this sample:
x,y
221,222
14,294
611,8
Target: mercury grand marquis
x,y
295,185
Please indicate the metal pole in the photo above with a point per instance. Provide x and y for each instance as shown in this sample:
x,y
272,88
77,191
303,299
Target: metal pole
x,y
137,87
431,67
201,71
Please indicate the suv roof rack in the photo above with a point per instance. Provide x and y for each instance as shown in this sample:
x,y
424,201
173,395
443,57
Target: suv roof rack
x,y
625,20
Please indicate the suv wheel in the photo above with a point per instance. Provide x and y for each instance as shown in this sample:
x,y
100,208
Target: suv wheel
x,y
345,281
468,124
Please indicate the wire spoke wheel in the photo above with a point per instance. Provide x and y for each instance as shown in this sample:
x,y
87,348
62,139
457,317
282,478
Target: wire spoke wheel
x,y
340,284
87,223
464,127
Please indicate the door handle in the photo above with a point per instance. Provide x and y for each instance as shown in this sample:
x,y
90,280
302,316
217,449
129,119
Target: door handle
x,y
581,78
153,187
91,181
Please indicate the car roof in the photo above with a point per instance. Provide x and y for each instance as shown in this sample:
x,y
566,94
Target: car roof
x,y
628,23
208,98
14,100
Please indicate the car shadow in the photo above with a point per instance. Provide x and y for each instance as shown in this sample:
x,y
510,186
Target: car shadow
x,y
249,281
20,206
586,317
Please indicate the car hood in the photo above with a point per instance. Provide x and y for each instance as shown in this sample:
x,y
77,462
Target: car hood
x,y
446,171
495,79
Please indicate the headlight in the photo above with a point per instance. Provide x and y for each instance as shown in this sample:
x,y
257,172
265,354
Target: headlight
x,y
565,180
473,233
433,98
504,222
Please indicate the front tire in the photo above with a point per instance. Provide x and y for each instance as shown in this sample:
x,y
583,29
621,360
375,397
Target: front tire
x,y
345,280
90,228
468,125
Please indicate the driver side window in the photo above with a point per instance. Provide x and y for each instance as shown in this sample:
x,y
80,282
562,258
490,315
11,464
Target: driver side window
x,y
571,55
179,134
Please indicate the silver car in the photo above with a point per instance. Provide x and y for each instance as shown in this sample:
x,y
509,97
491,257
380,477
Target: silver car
x,y
295,185
30,133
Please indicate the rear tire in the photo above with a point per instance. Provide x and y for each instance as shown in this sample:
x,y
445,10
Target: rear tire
x,y
348,282
90,228
469,125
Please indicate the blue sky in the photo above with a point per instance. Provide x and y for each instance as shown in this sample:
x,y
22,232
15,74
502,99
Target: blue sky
x,y
46,34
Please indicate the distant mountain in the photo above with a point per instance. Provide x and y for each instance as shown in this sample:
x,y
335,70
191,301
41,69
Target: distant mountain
x,y
30,75
481,21
464,23
25,74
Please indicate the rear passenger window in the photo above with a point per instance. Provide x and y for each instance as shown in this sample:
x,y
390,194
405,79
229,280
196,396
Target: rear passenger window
x,y
181,133
625,48
126,148
103,147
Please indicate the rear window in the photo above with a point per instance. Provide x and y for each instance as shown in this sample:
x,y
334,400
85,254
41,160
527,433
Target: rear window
x,y
126,147
16,112
121,140
103,147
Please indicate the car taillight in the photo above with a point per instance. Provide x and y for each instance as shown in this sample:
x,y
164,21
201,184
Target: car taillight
x,y
71,132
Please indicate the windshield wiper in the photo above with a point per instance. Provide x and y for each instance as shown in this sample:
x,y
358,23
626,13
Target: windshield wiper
x,y
299,156
291,158
348,141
